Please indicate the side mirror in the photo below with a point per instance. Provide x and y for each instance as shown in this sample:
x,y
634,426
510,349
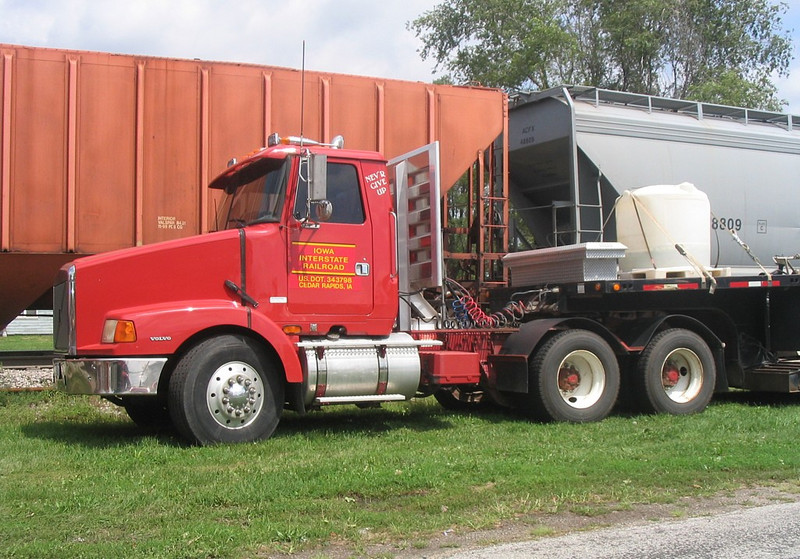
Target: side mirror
x,y
323,209
318,179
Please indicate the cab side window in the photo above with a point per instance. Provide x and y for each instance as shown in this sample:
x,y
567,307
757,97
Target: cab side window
x,y
343,192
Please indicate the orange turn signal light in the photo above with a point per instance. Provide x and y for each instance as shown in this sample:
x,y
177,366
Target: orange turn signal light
x,y
292,329
125,332
119,332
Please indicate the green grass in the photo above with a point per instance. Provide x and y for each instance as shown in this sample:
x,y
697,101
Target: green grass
x,y
26,343
78,479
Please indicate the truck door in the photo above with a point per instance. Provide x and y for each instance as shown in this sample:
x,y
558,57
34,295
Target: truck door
x,y
415,183
330,262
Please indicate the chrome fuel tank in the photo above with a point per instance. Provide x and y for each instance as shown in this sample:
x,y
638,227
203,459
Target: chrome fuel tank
x,y
360,370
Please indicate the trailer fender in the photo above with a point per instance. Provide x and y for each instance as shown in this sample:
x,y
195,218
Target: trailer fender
x,y
687,322
530,334
519,347
674,321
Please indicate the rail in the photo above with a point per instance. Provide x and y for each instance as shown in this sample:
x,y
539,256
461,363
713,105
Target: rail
x,y
20,359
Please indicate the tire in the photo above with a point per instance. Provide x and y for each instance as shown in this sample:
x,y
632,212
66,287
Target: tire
x,y
148,412
225,390
675,373
574,376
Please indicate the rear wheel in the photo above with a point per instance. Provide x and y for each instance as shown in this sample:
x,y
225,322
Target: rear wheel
x,y
574,377
675,373
225,389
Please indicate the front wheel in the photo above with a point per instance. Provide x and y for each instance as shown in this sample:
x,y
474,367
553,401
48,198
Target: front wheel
x,y
225,390
675,373
573,377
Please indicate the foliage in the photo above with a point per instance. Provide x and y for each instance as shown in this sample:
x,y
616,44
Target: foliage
x,y
723,51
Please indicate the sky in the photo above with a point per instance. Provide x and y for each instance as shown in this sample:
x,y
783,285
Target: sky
x,y
362,37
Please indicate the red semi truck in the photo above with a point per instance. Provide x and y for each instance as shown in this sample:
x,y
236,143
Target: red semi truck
x,y
323,285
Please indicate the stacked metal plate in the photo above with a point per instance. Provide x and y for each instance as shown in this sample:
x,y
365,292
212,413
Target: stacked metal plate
x,y
564,264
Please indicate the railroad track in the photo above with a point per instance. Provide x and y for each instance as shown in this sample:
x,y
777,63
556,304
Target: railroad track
x,y
23,359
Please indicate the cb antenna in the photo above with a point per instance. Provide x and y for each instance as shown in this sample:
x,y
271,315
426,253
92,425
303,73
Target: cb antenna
x,y
302,92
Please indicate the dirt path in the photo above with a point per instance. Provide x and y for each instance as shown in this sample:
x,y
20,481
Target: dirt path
x,y
451,542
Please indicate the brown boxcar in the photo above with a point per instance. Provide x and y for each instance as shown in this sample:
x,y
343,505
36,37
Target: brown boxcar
x,y
101,151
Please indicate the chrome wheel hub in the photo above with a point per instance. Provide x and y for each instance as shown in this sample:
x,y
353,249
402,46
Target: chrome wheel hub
x,y
235,395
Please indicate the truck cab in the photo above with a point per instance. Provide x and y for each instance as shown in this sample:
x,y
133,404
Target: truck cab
x,y
330,267
290,303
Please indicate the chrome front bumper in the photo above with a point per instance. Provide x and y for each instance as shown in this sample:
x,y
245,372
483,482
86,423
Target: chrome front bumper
x,y
108,376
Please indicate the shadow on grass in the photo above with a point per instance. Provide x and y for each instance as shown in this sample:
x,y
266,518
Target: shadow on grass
x,y
117,432
746,398
98,434
364,422
417,416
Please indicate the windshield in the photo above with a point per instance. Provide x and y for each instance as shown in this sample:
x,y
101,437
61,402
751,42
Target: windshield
x,y
257,197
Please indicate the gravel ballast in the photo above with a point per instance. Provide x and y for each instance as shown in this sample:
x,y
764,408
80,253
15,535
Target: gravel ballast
x,y
26,378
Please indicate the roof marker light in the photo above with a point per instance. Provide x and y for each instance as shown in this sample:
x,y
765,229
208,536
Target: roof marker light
x,y
275,139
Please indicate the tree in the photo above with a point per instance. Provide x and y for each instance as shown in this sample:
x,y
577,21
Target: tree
x,y
722,51
727,51
504,43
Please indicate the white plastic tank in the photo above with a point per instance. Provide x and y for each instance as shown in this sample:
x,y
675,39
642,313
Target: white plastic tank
x,y
651,220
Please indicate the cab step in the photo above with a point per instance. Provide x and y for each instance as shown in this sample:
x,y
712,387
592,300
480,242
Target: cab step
x,y
360,399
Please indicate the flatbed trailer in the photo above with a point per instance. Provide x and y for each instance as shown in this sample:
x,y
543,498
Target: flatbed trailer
x,y
694,336
749,321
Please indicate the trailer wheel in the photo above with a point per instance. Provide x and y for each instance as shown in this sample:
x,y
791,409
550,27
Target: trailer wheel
x,y
574,377
225,390
676,373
